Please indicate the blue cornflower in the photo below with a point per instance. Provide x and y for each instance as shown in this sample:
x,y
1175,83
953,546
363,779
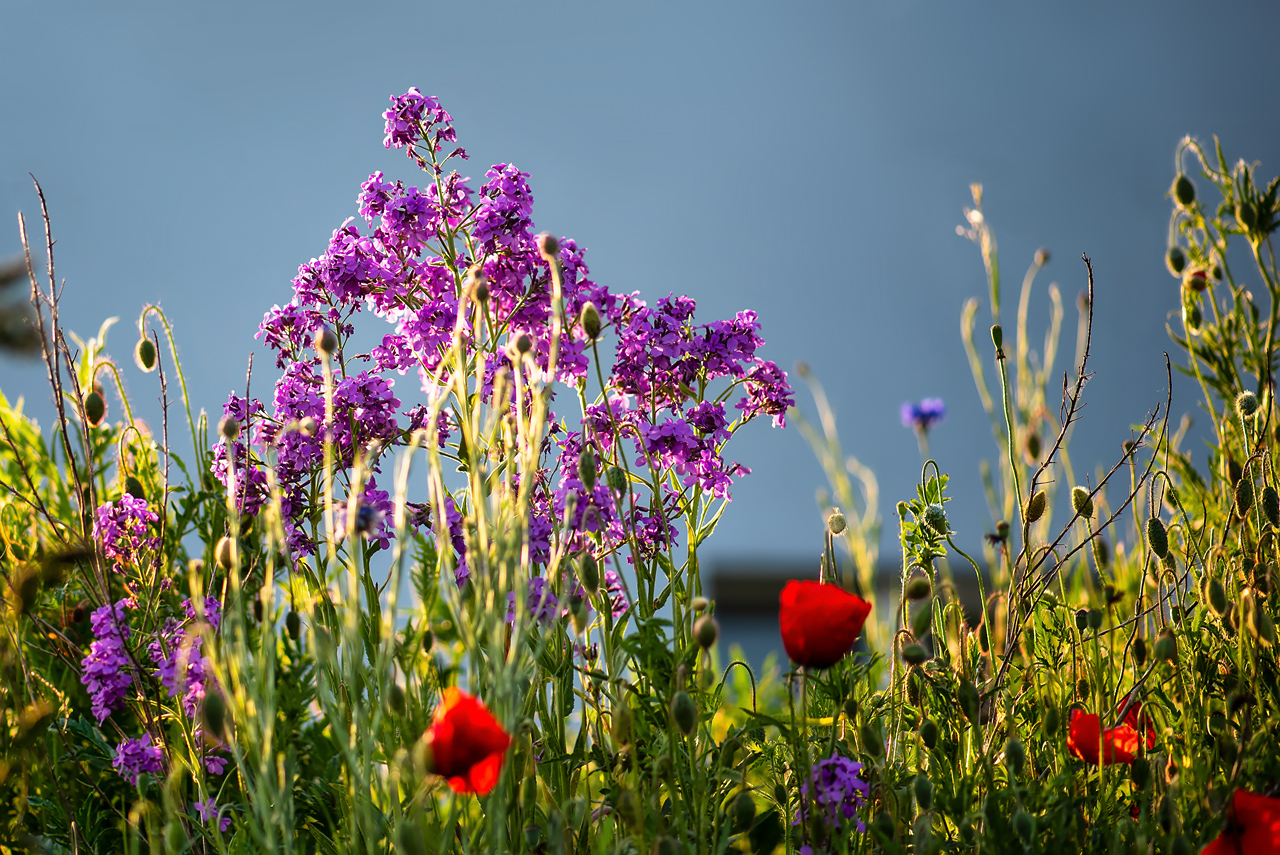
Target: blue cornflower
x,y
924,415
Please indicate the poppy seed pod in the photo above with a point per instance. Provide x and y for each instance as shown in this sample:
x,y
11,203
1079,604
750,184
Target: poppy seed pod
x,y
1184,190
325,340
936,518
1157,537
144,354
1035,506
591,320
684,712
477,284
293,625
1082,502
1082,619
222,553
706,631
1176,260
928,733
923,791
587,468
1246,404
95,408
836,523
548,245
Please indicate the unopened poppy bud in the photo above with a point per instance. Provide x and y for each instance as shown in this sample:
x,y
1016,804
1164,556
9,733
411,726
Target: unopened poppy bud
x,y
872,741
133,487
1025,826
1042,256
591,320
1247,216
620,724
928,733
428,639
213,713
587,468
524,343
1166,647
144,354
1082,619
578,612
922,620
229,428
1015,756
923,791
915,686
1166,812
293,625
477,284
1035,506
1176,260
1082,689
325,340
222,553
395,700
706,631
699,604
914,654
95,408
851,708
1157,537
743,812
969,700
1246,404
836,523
684,712
1271,505
1052,718
1196,280
589,574
936,518
1244,496
1184,190
1082,502
1094,619
1002,530
1215,596
1101,552
1139,652
1140,772
616,478
257,610
548,246
918,587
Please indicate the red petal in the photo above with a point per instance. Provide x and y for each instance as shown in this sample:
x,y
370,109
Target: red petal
x,y
820,623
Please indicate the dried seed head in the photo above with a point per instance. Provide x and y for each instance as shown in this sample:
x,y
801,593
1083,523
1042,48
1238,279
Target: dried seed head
x,y
1082,502
1246,404
326,341
144,354
1035,506
591,320
836,523
1183,190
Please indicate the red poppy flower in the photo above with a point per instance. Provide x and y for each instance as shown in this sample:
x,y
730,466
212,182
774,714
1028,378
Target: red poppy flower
x,y
466,744
1253,827
820,622
1120,744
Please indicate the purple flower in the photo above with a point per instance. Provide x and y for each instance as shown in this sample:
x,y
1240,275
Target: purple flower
x,y
179,659
120,530
768,393
923,415
540,602
135,756
207,810
457,535
103,671
413,117
836,790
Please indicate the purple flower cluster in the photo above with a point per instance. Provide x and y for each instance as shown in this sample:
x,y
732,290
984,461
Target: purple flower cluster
x,y
121,530
105,670
540,601
176,652
835,791
207,810
924,415
135,756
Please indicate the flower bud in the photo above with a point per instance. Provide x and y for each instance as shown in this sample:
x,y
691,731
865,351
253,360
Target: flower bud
x,y
1042,256
1184,191
1271,505
928,733
1214,595
936,518
918,587
134,488
428,639
743,812
616,478
95,408
923,791
1082,689
326,341
836,523
684,712
589,574
1196,280
872,742
229,428
1176,260
1246,404
699,604
144,354
222,553
293,625
1244,496
1052,718
578,612
213,713
1082,619
851,708
1025,826
1015,756
587,468
524,343
395,700
1002,530
1139,652
1157,537
1082,502
914,654
1035,506
706,631
477,284
257,610
969,700
591,320
997,336
1166,648
548,246
1032,446
1094,619
1140,772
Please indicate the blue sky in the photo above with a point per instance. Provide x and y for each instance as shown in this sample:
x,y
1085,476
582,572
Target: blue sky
x,y
808,162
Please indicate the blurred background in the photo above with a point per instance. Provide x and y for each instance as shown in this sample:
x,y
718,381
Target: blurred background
x,y
810,163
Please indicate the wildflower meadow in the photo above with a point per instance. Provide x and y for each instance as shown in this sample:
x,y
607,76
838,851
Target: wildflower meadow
x,y
431,582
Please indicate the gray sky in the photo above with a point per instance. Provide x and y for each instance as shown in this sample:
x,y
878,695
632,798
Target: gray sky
x,y
808,161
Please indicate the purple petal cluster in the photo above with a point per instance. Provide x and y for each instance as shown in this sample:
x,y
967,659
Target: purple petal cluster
x,y
121,530
207,810
540,601
924,415
415,118
835,791
135,756
239,471
105,670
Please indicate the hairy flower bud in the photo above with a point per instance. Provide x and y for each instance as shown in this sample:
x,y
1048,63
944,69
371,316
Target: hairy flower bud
x,y
1166,646
1139,652
587,468
589,574
95,408
591,320
229,428
743,812
923,791
1184,190
293,625
1035,506
928,731
134,488
706,631
918,587
1244,495
997,336
395,700
548,246
144,354
684,712
1176,260
620,723
1052,718
1157,537
936,518
1094,619
616,478
213,713
1271,505
1246,404
836,523
1082,502
914,654
872,741
1015,756
968,697
222,553
1082,619
1140,772
1025,826
326,341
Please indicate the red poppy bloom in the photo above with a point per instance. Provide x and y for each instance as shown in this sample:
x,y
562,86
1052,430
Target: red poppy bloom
x,y
1253,827
466,744
820,622
1120,744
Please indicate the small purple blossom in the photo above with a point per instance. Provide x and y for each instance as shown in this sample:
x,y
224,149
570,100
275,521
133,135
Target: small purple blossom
x,y
924,415
540,602
121,531
207,810
104,670
135,756
768,393
836,789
